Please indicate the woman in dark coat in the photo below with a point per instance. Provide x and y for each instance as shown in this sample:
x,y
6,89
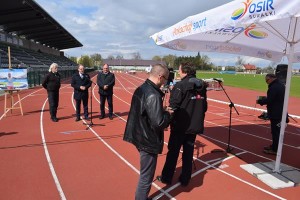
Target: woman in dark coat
x,y
52,84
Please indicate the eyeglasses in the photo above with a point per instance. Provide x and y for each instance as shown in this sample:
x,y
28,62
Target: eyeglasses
x,y
164,77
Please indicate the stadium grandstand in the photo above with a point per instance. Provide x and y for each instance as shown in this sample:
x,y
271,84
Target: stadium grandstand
x,y
31,37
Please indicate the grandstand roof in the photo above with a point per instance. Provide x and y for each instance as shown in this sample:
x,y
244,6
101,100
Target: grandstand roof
x,y
28,19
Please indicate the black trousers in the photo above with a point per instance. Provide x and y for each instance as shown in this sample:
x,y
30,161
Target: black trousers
x,y
53,98
175,142
275,130
102,104
84,101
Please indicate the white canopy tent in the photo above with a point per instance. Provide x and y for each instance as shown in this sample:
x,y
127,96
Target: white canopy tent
x,y
267,29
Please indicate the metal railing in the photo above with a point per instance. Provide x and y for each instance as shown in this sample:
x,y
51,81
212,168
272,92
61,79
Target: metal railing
x,y
35,76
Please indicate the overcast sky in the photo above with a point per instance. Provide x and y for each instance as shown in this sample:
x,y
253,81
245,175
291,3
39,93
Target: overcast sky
x,y
123,27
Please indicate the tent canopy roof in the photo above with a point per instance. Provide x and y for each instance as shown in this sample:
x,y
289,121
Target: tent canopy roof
x,y
27,19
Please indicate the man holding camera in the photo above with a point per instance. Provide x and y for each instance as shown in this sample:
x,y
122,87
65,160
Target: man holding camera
x,y
188,100
274,102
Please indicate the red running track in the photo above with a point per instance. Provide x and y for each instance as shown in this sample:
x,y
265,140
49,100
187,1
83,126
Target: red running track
x,y
41,159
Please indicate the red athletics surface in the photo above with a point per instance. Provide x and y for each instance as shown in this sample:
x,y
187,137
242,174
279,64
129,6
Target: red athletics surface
x,y
75,163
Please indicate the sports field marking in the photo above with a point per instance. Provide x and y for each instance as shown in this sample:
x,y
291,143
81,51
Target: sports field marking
x,y
247,107
56,181
21,100
116,153
164,192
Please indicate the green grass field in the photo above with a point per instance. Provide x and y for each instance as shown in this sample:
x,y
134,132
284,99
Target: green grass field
x,y
250,81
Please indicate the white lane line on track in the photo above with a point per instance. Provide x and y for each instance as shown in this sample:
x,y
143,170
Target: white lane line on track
x,y
243,132
239,120
115,152
247,107
21,100
231,175
56,181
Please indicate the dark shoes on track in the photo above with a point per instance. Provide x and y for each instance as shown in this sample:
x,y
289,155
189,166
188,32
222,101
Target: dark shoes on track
x,y
102,117
160,179
269,150
54,119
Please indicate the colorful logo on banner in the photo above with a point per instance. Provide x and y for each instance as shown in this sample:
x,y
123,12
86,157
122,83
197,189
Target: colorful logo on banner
x,y
159,38
254,33
256,9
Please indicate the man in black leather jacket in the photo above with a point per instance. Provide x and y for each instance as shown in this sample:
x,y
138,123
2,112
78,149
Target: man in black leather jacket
x,y
188,100
145,126
274,102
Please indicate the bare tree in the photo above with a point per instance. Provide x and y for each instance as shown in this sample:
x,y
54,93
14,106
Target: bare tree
x,y
110,57
136,56
119,57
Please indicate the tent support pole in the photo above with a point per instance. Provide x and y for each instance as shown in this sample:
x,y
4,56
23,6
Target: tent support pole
x,y
285,108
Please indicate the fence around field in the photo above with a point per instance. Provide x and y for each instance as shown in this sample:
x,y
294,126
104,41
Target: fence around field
x,y
36,76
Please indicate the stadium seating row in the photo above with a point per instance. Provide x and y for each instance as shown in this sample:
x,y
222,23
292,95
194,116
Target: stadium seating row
x,y
21,57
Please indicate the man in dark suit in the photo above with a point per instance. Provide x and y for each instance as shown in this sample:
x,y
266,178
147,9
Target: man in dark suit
x,y
106,82
81,83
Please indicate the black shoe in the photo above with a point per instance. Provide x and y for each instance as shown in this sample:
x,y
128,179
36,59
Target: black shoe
x,y
110,117
86,118
160,179
54,119
183,183
270,152
101,117
77,119
268,147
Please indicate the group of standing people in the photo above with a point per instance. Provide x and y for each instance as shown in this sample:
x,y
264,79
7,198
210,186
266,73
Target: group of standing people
x,y
148,116
81,82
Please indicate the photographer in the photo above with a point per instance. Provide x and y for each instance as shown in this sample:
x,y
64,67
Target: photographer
x,y
188,100
274,102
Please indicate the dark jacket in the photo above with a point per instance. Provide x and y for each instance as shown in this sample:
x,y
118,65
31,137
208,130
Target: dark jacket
x,y
51,81
188,99
106,79
77,81
147,119
274,100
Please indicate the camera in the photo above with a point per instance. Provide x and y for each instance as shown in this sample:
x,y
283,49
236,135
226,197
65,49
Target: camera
x,y
165,88
260,98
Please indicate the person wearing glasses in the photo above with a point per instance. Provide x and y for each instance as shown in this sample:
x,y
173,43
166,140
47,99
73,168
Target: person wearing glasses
x,y
274,102
52,84
106,82
145,126
189,102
